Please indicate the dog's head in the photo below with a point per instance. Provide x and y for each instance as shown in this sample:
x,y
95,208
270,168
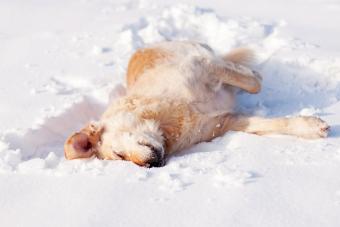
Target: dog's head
x,y
123,136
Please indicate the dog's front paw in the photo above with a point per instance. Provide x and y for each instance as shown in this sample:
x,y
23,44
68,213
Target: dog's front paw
x,y
309,127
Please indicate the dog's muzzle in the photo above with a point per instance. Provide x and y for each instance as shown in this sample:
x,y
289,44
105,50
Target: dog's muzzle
x,y
157,158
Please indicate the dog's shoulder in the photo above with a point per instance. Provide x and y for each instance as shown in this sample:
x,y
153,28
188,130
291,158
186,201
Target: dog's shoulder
x,y
144,59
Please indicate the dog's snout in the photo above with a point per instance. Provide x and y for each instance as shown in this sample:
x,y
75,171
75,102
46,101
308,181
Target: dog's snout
x,y
155,163
157,156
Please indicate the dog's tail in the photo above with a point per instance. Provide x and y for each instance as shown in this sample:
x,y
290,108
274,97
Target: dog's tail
x,y
243,56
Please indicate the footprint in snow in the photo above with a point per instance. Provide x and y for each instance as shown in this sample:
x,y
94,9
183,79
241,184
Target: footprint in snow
x,y
171,183
226,177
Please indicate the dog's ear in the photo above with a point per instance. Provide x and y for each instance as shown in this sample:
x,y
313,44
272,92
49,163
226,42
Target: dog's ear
x,y
83,144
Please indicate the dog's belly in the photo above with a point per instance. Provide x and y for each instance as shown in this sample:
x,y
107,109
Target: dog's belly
x,y
219,103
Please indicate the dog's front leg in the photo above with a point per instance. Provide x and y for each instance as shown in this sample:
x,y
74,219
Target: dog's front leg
x,y
305,127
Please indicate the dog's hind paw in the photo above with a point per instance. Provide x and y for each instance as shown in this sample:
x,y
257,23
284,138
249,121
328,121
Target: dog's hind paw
x,y
309,127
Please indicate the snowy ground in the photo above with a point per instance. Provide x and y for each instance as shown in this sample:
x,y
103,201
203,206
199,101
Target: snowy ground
x,y
59,60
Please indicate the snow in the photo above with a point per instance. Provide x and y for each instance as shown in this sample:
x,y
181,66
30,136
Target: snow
x,y
61,63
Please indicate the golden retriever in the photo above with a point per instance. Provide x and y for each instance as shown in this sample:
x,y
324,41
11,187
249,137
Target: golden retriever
x,y
180,93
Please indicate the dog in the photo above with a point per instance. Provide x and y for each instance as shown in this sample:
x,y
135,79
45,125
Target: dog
x,y
180,93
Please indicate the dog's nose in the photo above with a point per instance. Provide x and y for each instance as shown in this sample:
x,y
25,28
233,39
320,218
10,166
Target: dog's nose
x,y
155,163
157,158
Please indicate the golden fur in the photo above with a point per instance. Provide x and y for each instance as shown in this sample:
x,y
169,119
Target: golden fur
x,y
179,94
143,60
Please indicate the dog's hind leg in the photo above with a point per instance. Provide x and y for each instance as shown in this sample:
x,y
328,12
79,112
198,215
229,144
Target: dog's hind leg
x,y
305,127
235,74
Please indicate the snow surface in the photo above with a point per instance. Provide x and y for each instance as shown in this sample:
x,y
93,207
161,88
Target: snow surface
x,y
59,62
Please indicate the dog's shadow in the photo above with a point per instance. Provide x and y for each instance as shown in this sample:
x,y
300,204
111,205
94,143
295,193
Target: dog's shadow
x,y
335,131
289,88
50,135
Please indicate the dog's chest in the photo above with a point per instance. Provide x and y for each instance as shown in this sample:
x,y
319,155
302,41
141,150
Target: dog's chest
x,y
181,124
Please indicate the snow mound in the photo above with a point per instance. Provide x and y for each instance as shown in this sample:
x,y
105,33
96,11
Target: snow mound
x,y
42,145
